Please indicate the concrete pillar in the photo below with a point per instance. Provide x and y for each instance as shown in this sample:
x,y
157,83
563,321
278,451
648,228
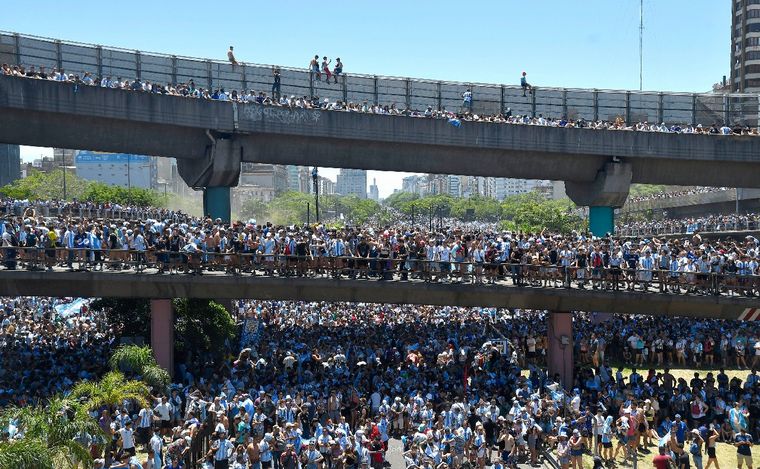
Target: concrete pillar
x,y
162,333
560,353
601,220
216,202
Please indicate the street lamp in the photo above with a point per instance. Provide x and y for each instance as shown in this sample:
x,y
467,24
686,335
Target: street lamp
x,y
315,180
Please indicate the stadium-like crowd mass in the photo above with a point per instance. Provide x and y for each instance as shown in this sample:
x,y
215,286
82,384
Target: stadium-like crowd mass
x,y
331,384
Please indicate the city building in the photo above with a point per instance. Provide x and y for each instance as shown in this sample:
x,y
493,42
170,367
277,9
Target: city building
x,y
745,46
117,169
352,182
62,156
10,163
374,191
269,178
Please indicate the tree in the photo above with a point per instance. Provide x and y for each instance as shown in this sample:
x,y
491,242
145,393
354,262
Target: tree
x,y
111,390
53,435
202,326
531,213
129,316
137,361
255,208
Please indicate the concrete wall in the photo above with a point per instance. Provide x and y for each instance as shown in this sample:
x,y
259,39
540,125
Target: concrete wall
x,y
52,114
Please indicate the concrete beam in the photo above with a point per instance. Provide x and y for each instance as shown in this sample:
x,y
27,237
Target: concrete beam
x,y
219,286
560,353
609,189
162,333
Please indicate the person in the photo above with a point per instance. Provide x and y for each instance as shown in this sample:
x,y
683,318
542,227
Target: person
x,y
467,100
276,83
326,68
743,443
712,438
314,67
663,459
338,69
524,84
231,57
221,450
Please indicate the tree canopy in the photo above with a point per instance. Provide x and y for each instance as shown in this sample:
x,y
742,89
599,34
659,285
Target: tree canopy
x,y
49,185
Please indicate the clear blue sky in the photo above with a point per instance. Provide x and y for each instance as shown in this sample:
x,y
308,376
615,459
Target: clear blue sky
x,y
585,44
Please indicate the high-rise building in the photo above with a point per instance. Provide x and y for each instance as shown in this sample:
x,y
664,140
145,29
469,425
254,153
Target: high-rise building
x,y
745,45
272,177
62,156
374,191
117,169
10,163
352,182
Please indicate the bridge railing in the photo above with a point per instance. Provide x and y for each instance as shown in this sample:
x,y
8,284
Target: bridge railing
x,y
380,268
406,93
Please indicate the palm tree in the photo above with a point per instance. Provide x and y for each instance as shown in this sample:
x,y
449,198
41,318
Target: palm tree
x,y
112,390
135,360
50,435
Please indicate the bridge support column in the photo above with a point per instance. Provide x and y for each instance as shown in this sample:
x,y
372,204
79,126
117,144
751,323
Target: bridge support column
x,y
217,203
560,354
162,333
601,220
607,192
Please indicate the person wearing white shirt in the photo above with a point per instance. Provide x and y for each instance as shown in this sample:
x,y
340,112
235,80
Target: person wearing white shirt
x,y
127,439
157,445
163,410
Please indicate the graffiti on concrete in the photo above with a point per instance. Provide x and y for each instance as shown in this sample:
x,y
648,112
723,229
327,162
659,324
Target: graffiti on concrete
x,y
281,115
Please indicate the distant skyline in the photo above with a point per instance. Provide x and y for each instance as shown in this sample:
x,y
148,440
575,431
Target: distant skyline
x,y
593,44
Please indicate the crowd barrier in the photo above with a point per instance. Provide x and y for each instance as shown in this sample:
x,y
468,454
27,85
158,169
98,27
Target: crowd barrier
x,y
383,269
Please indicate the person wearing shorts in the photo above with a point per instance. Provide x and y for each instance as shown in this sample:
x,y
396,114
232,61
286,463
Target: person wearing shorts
x,y
743,443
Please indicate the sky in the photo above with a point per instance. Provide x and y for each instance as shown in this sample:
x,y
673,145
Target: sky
x,y
582,44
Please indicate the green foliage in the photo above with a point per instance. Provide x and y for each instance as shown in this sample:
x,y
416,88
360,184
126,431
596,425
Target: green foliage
x,y
130,316
638,190
398,199
52,431
202,326
531,213
290,208
131,359
483,208
137,360
111,391
39,185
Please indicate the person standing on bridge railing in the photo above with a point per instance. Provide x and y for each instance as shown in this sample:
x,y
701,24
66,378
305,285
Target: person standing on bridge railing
x,y
314,67
467,100
276,82
231,57
525,85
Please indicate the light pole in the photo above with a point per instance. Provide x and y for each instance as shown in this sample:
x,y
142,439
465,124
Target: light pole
x,y
315,180
65,168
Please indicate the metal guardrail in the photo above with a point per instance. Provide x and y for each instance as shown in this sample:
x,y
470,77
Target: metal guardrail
x,y
380,268
409,93
689,228
81,212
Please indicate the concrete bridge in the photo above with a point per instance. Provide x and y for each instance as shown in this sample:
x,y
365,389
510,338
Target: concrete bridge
x,y
210,138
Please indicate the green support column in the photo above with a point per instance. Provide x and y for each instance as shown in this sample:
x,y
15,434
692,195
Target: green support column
x,y
601,220
216,203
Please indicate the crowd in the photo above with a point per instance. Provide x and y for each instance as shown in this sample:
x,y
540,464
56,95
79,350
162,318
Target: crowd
x,y
673,194
86,209
329,385
276,98
691,225
445,254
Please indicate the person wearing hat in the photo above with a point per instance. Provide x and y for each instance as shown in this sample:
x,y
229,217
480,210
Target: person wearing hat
x,y
563,451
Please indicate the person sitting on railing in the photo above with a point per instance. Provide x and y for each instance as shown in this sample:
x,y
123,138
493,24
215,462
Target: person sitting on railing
x,y
338,69
524,84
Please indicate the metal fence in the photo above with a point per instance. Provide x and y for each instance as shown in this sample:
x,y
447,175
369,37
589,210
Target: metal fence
x,y
409,93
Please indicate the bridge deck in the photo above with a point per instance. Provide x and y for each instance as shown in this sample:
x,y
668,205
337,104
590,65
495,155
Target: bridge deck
x,y
218,285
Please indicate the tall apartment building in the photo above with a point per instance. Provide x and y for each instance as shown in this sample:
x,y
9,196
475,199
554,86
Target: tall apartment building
x,y
352,182
10,163
745,45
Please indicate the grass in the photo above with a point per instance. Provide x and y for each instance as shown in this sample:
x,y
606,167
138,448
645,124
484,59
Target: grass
x,y
726,455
